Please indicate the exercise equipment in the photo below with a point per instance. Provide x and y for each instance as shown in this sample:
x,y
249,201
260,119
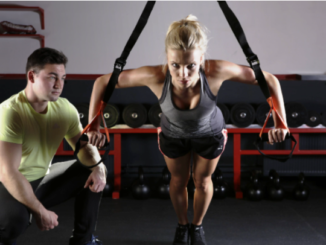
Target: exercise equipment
x,y
220,186
11,28
164,186
301,191
118,67
134,115
252,190
139,189
83,109
274,190
225,111
107,191
154,114
296,114
255,65
111,114
242,115
323,118
262,112
191,188
313,119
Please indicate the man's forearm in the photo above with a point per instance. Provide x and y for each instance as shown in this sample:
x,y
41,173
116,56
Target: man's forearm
x,y
89,155
19,187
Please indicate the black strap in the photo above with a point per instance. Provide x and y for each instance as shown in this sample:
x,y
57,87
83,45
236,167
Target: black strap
x,y
84,137
279,158
121,61
255,65
241,37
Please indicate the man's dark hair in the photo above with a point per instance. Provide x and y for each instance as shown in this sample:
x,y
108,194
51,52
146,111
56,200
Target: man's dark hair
x,y
43,56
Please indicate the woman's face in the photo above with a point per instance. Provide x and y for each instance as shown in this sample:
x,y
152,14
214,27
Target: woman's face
x,y
184,66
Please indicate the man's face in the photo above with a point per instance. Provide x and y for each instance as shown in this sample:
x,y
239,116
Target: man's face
x,y
48,83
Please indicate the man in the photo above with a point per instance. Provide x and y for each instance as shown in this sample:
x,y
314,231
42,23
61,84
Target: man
x,y
32,125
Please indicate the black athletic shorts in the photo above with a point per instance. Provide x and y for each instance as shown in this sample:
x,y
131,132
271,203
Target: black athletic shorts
x,y
207,147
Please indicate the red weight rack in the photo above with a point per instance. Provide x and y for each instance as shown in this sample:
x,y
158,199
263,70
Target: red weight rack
x,y
237,151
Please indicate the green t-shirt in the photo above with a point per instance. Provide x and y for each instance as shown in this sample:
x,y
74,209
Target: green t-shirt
x,y
39,134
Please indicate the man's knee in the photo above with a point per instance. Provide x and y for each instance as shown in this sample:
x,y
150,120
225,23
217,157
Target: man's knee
x,y
13,221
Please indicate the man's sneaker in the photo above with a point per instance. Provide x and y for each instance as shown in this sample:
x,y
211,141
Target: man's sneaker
x,y
94,241
197,235
181,236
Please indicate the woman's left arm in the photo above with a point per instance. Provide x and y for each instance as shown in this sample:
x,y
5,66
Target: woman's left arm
x,y
224,70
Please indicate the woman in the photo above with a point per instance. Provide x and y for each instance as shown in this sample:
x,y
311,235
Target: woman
x,y
191,123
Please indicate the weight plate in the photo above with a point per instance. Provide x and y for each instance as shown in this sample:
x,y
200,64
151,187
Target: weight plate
x,y
225,111
134,115
323,118
242,115
313,119
296,114
111,115
154,114
262,113
83,113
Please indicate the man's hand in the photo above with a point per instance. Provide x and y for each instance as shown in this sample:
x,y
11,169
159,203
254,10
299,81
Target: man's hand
x,y
96,138
97,179
45,219
276,135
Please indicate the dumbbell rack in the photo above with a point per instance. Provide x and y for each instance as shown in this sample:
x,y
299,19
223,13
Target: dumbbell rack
x,y
237,151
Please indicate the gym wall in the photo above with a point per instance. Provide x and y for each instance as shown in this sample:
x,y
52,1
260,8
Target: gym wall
x,y
287,36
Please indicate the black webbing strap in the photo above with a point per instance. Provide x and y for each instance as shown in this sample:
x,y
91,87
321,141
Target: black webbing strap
x,y
121,61
241,37
255,65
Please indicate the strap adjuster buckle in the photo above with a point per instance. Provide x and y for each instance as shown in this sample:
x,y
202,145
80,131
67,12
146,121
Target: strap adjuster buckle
x,y
119,64
253,61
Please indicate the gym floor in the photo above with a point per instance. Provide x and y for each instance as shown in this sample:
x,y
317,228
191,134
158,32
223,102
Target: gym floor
x,y
229,221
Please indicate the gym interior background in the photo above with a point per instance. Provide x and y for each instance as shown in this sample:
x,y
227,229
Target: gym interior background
x,y
288,38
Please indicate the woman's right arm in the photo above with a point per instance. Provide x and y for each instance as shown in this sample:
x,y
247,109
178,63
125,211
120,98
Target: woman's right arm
x,y
151,76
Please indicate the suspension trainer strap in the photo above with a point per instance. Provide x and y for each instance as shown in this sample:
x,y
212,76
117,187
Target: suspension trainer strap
x,y
255,65
121,61
118,67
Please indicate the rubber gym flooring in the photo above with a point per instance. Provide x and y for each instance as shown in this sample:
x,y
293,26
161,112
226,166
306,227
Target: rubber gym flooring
x,y
229,222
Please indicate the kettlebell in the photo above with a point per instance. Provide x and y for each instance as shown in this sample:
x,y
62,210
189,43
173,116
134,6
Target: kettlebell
x,y
191,188
301,191
139,190
252,190
164,187
220,186
274,189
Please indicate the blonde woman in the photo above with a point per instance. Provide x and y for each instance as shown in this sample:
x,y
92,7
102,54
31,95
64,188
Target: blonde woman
x,y
191,123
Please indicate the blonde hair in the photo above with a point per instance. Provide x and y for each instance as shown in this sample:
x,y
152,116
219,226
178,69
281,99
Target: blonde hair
x,y
186,34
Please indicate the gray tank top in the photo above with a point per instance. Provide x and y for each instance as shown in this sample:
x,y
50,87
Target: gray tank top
x,y
205,120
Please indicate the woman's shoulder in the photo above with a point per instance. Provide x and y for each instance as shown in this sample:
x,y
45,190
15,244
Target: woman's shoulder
x,y
218,68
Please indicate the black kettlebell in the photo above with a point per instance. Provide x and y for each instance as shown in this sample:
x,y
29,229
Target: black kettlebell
x,y
274,190
191,188
164,187
139,190
220,186
252,190
301,191
107,191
